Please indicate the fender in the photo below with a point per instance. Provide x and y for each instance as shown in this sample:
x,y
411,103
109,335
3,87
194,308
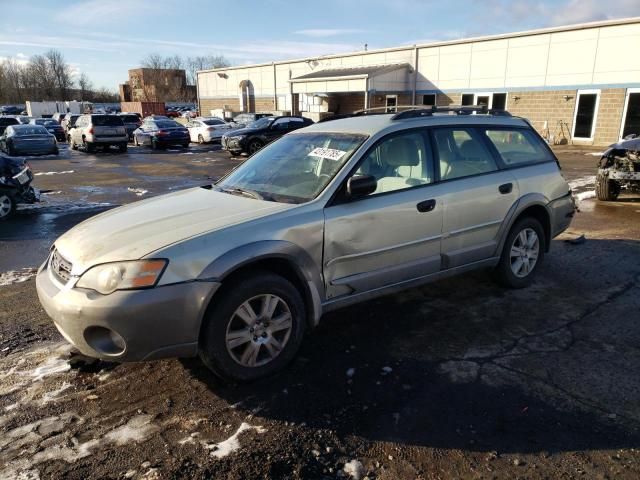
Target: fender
x,y
302,263
520,205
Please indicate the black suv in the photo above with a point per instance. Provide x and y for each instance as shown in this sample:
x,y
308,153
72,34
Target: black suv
x,y
6,121
257,134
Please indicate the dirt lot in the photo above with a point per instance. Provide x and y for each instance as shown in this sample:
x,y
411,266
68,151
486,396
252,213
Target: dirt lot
x,y
458,379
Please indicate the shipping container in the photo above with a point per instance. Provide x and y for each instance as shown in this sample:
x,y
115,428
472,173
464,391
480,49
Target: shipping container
x,y
143,108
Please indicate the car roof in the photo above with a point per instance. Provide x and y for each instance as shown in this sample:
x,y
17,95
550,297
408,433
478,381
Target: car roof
x,y
372,124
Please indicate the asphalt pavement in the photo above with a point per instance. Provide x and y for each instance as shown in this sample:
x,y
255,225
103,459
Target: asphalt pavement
x,y
457,379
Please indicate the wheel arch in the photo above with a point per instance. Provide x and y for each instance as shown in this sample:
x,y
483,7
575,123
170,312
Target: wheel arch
x,y
275,256
532,205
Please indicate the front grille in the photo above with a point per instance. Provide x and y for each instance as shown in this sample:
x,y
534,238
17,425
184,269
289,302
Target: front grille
x,y
60,267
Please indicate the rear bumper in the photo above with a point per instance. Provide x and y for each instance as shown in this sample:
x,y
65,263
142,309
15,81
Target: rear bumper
x,y
172,141
150,324
561,211
108,140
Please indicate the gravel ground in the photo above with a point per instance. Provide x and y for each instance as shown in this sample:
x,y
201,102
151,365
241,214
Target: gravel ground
x,y
457,379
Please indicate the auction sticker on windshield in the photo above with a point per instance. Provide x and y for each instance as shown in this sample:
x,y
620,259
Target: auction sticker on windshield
x,y
328,153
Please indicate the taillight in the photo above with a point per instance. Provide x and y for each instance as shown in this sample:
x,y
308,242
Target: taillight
x,y
162,133
91,131
211,129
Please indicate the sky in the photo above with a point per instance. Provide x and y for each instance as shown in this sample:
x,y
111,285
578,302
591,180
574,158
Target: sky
x,y
105,38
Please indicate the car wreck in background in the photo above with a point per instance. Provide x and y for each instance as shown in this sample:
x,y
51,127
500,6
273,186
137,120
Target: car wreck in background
x,y
619,169
15,185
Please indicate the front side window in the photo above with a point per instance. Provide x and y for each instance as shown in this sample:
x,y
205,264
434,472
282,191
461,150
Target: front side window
x,y
294,169
399,162
461,153
518,146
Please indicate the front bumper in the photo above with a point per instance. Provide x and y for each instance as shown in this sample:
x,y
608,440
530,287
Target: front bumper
x,y
160,322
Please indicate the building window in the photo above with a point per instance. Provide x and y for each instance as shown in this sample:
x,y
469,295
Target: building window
x,y
467,99
631,117
392,103
584,121
499,101
429,99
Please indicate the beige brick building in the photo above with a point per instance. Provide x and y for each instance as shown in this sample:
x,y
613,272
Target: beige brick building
x,y
578,84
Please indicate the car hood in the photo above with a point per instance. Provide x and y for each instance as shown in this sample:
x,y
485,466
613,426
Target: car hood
x,y
138,229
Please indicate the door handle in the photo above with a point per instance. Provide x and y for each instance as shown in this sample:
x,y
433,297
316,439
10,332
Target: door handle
x,y
426,206
505,188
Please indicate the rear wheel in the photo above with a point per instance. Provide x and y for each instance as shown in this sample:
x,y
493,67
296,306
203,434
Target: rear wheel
x,y
254,327
122,147
11,150
7,206
154,144
88,146
522,254
606,190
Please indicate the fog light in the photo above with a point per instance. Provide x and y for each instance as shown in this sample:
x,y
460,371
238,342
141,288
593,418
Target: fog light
x,y
105,341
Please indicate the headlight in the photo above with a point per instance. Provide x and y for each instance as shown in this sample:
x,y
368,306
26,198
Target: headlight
x,y
236,139
109,277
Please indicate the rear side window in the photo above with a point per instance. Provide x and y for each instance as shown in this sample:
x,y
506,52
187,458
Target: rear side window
x,y
518,147
106,121
462,153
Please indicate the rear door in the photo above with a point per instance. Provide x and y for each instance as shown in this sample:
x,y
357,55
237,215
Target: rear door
x,y
478,195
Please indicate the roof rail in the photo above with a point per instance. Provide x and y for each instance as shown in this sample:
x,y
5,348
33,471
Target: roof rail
x,y
457,109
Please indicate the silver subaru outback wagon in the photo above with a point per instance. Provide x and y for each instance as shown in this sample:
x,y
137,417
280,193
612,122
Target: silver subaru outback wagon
x,y
330,215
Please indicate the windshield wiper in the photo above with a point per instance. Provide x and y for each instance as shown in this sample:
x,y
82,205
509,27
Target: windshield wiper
x,y
243,191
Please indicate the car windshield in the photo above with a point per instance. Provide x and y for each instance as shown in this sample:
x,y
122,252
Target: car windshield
x,y
46,122
262,123
167,124
106,121
294,169
30,130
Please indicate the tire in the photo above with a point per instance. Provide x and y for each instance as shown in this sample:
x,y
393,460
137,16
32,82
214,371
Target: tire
x,y
254,146
73,144
7,206
122,147
154,144
135,141
11,150
606,190
56,151
89,147
527,266
222,317
185,145
200,139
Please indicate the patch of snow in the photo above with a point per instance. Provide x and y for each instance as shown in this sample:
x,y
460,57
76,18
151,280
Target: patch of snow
x,y
135,430
54,394
386,370
138,191
582,182
17,276
351,372
585,195
187,153
354,469
50,367
595,154
52,193
173,150
232,444
54,173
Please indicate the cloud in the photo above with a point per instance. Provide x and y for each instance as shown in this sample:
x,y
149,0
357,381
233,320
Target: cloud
x,y
106,11
327,32
20,60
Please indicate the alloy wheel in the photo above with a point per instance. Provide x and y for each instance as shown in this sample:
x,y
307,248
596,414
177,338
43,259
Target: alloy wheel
x,y
5,206
259,330
524,252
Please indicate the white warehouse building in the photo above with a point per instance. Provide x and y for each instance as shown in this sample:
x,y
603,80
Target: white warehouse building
x,y
578,84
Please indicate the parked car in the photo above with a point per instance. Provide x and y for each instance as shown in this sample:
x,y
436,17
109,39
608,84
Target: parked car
x,y
256,135
58,117
28,140
207,129
172,114
619,169
189,114
161,132
23,119
330,215
15,185
68,122
93,130
11,110
53,127
131,122
244,119
6,121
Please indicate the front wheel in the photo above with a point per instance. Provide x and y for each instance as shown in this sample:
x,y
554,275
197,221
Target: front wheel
x,y
254,328
522,254
7,206
606,190
122,147
254,146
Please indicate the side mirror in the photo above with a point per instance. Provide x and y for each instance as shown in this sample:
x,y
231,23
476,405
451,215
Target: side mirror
x,y
361,186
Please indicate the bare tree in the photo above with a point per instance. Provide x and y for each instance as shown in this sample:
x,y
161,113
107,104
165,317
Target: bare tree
x,y
60,72
85,86
194,64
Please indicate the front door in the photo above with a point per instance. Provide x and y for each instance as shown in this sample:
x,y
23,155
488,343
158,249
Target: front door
x,y
393,234
478,195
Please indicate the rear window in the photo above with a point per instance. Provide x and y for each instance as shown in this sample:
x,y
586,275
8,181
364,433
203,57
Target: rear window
x,y
213,122
8,121
167,124
30,130
45,121
518,146
130,118
106,121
